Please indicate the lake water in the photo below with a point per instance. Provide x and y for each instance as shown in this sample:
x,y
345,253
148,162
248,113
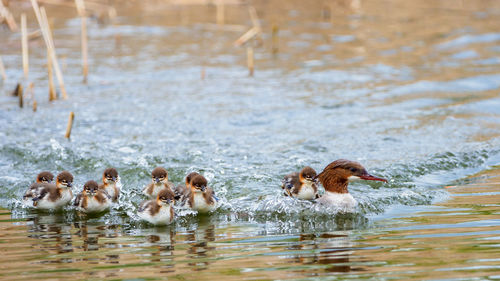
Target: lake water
x,y
410,90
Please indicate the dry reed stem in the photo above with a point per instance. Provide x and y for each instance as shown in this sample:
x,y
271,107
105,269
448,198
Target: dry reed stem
x,y
256,30
2,69
52,90
7,15
250,61
70,124
247,36
24,42
256,24
84,50
80,6
19,90
34,35
31,89
220,12
254,18
326,12
41,16
275,41
112,13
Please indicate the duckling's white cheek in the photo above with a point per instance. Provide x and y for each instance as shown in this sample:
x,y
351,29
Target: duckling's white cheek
x,y
353,178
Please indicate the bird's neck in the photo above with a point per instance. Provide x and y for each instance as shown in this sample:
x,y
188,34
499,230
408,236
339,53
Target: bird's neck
x,y
332,182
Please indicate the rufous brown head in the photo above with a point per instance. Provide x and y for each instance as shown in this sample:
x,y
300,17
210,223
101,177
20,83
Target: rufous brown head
x,y
337,174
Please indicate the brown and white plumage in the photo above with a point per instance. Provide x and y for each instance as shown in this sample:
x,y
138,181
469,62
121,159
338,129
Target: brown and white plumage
x,y
302,185
158,211
49,196
182,191
92,199
159,182
109,183
335,179
200,198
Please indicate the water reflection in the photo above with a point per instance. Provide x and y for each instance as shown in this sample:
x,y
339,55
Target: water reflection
x,y
55,236
199,250
332,250
162,249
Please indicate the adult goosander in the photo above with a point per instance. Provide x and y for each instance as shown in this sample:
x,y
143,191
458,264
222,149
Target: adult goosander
x,y
302,185
109,180
50,196
45,177
336,177
92,199
160,182
158,211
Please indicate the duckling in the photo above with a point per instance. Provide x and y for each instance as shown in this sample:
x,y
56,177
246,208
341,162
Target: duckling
x,y
109,183
50,196
92,199
302,185
158,211
201,198
160,182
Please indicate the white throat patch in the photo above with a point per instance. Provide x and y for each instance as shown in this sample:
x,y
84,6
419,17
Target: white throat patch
x,y
353,178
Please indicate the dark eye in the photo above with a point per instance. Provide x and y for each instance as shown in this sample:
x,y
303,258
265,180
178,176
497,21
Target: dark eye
x,y
354,170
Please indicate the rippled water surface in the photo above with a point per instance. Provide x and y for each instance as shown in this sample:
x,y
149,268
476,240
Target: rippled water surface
x,y
410,90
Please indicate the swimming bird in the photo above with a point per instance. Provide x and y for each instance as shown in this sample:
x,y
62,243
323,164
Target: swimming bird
x,y
45,176
182,191
49,196
336,177
158,211
92,199
109,181
160,182
200,198
302,185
